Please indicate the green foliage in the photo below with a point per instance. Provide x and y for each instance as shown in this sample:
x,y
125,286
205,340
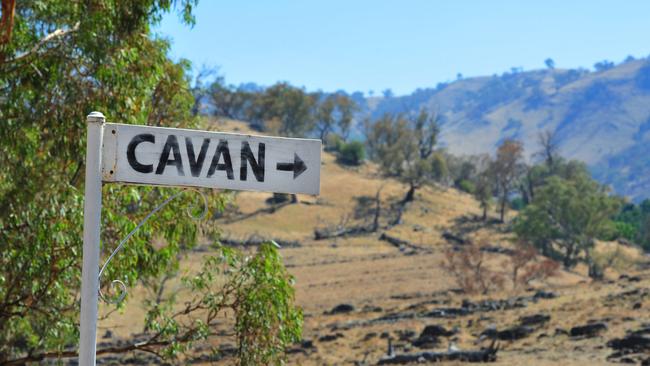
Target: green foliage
x,y
517,204
466,186
506,168
624,230
285,110
333,142
404,148
632,223
484,187
566,217
352,153
333,112
266,308
439,169
229,101
257,289
98,56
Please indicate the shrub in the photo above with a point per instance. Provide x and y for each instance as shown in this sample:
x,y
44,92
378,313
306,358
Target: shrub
x,y
624,230
352,153
517,204
467,264
333,142
466,185
526,267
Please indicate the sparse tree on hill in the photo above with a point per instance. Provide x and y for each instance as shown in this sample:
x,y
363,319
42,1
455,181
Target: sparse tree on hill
x,y
506,168
333,111
404,148
286,109
550,64
566,217
228,101
549,144
484,188
199,88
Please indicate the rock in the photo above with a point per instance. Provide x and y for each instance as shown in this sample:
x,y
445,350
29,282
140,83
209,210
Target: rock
x,y
645,329
515,333
369,336
560,331
330,337
631,343
508,334
453,238
405,335
630,278
448,312
483,355
372,309
341,309
534,320
108,334
545,295
429,336
436,331
497,250
426,342
304,347
588,331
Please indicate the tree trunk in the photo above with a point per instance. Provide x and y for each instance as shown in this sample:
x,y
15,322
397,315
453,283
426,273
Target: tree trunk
x,y
568,257
485,210
375,222
502,210
410,195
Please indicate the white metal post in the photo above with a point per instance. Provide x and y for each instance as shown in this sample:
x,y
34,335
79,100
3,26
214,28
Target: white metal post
x,y
92,220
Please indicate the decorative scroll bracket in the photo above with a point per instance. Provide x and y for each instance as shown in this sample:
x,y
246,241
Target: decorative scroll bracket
x,y
114,283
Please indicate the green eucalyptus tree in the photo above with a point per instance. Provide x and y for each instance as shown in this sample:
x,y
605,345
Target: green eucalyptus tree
x,y
59,60
566,217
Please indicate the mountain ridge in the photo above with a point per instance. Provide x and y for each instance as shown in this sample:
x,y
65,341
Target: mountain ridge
x,y
599,117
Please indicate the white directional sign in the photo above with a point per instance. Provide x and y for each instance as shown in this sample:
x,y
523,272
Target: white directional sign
x,y
180,157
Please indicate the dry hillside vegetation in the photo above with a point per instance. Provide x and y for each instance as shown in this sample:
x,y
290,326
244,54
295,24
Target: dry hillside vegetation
x,y
360,291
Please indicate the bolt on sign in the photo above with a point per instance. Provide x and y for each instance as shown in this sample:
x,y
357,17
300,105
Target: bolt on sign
x,y
118,153
179,157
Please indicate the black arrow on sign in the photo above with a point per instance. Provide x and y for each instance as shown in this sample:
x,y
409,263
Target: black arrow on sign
x,y
297,167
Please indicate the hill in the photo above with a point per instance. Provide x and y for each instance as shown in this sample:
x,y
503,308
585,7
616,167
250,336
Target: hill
x,y
359,291
601,118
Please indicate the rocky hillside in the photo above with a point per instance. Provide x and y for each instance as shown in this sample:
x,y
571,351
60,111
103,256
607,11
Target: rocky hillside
x,y
602,118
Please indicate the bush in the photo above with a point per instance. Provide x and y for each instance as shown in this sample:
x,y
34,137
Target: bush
x,y
467,265
333,142
624,230
527,267
517,204
352,153
466,185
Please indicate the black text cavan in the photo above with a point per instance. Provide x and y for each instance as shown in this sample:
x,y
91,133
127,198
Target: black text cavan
x,y
221,160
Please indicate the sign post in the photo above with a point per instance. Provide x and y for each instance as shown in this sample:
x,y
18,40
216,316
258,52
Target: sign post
x,y
183,158
92,220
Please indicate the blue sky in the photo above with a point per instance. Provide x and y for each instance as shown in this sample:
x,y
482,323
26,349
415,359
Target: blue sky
x,y
374,45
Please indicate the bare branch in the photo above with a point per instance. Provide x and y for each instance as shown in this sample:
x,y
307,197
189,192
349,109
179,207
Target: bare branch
x,y
57,34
